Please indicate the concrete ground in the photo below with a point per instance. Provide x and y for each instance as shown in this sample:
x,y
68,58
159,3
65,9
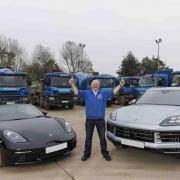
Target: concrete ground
x,y
126,163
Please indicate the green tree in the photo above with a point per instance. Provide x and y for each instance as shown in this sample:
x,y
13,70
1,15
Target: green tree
x,y
148,64
130,66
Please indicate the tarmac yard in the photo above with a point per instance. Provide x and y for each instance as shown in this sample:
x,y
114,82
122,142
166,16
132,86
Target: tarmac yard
x,y
126,164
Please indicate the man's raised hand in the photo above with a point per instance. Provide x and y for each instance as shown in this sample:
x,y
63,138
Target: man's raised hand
x,y
122,82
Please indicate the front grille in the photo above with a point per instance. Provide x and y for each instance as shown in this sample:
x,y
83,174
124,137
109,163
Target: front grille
x,y
64,96
110,128
33,156
135,134
37,155
170,136
172,150
131,133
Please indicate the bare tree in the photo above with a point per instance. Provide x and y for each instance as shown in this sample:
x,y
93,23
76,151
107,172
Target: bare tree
x,y
43,60
11,53
72,58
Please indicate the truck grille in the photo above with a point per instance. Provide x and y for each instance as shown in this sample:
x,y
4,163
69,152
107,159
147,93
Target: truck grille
x,y
64,96
130,133
170,136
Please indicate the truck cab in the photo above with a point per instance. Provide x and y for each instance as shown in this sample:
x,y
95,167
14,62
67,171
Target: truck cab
x,y
14,86
53,90
176,79
128,92
158,79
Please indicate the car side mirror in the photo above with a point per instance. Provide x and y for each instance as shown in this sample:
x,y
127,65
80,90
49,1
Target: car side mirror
x,y
132,102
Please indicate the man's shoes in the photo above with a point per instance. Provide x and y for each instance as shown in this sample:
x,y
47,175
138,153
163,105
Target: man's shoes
x,y
106,156
85,157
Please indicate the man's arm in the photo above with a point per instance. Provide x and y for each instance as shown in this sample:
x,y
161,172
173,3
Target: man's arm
x,y
117,88
74,88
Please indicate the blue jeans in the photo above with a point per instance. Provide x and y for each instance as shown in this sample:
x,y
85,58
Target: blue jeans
x,y
101,129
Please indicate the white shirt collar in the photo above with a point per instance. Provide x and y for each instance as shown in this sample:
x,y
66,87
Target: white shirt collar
x,y
95,92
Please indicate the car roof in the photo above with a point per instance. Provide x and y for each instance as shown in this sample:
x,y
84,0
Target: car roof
x,y
164,88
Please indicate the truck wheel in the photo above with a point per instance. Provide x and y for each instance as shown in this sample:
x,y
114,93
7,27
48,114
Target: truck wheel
x,y
71,106
32,100
2,158
46,105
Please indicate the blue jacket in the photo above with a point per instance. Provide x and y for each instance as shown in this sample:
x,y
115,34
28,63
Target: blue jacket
x,y
95,106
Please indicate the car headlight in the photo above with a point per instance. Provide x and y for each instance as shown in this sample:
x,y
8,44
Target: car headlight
x,y
13,136
171,121
68,127
113,115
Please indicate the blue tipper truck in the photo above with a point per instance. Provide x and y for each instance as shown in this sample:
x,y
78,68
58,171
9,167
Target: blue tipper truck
x,y
14,86
107,82
155,79
52,90
129,91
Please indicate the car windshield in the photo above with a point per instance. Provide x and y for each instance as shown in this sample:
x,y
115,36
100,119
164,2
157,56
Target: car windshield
x,y
148,81
160,97
12,81
59,81
18,112
106,82
176,80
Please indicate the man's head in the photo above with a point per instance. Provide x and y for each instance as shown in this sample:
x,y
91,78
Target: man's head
x,y
95,85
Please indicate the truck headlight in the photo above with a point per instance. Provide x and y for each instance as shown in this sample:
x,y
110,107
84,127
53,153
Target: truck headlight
x,y
113,115
171,121
68,127
13,136
51,98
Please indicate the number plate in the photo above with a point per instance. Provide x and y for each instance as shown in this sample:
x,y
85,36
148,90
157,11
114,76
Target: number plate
x,y
10,102
133,143
56,148
65,101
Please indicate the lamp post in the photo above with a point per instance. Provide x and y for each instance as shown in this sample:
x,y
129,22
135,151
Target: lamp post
x,y
158,42
82,46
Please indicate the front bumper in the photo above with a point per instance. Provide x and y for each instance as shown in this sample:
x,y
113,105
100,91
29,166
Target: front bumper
x,y
4,99
60,100
166,142
30,156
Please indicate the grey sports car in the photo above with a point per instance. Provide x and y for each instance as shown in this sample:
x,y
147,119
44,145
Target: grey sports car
x,y
27,135
152,122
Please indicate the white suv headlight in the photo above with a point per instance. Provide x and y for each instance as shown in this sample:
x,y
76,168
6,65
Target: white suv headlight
x,y
113,115
171,121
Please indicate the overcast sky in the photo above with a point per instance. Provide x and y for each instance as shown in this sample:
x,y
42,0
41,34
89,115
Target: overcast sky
x,y
109,28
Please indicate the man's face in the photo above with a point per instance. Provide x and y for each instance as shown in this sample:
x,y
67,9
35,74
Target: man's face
x,y
95,85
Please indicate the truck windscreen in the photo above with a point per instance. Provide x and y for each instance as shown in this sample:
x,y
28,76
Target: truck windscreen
x,y
148,81
107,83
176,80
12,81
59,81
